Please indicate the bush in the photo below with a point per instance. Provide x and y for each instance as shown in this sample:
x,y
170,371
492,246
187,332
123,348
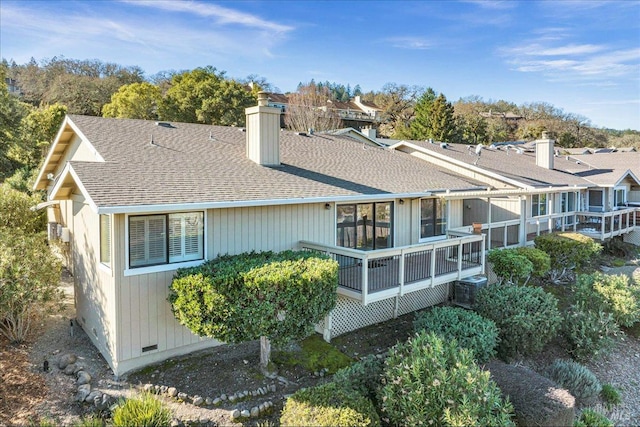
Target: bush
x,y
363,376
540,259
510,266
16,213
328,405
471,330
610,395
591,418
576,378
145,411
29,279
616,294
588,332
567,251
527,317
431,381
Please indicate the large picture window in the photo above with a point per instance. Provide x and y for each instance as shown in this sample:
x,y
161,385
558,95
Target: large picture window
x,y
596,201
105,239
568,202
538,204
433,218
166,239
365,226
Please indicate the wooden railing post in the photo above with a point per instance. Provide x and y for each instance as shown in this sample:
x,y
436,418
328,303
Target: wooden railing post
x,y
365,279
401,272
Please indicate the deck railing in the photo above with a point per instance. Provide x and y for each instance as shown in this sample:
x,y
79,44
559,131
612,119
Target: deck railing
x,y
371,276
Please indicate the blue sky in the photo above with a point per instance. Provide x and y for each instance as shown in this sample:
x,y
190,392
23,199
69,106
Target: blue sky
x,y
581,56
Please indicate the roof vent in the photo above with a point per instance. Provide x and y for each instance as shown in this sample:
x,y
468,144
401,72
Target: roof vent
x,y
164,124
301,133
444,145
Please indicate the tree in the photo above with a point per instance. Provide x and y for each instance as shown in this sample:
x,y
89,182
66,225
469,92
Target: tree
x,y
273,297
16,213
204,95
308,109
434,118
421,127
134,101
397,103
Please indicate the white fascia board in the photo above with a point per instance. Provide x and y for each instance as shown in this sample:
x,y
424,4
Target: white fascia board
x,y
626,174
68,170
252,203
66,122
510,192
462,164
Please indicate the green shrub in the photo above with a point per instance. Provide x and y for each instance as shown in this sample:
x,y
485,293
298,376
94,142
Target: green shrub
x,y
363,376
144,411
592,418
576,378
616,294
588,332
16,213
568,251
328,405
509,265
527,317
90,421
431,381
610,395
471,330
540,259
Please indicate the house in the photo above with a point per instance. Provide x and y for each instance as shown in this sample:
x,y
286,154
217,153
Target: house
x,y
534,190
135,200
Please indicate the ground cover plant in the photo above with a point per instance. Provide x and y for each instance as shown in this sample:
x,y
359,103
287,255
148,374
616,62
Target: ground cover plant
x,y
576,378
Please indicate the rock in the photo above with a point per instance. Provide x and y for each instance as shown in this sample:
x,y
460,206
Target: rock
x,y
233,398
172,391
83,378
156,389
95,394
245,413
537,401
262,408
208,401
235,414
163,389
182,396
273,388
66,360
198,401
103,402
69,369
83,392
255,412
216,401
147,387
78,368
175,423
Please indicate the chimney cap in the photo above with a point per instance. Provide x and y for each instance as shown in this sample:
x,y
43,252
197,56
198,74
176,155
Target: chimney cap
x,y
263,98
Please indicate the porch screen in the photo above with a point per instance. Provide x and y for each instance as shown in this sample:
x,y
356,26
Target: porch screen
x,y
365,226
167,238
433,220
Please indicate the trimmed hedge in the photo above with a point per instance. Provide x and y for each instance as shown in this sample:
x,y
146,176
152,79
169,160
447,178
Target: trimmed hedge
x,y
510,266
363,376
243,297
328,405
472,331
527,317
568,250
431,381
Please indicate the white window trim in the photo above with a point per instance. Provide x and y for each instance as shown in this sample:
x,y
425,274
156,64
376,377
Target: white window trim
x,y
615,192
589,205
546,205
136,271
394,218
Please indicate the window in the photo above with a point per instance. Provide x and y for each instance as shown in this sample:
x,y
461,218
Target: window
x,y
365,226
620,197
596,200
433,221
538,204
166,239
105,239
568,202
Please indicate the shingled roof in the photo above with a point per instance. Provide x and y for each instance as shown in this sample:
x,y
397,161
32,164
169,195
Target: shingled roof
x,y
203,164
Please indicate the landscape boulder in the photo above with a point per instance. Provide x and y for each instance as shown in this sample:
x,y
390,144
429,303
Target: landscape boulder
x,y
537,400
66,359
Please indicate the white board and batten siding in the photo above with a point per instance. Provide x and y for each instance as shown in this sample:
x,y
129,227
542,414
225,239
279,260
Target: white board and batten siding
x,y
144,314
94,284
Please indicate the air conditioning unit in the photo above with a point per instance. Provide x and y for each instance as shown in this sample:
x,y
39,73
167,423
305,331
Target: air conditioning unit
x,y
465,290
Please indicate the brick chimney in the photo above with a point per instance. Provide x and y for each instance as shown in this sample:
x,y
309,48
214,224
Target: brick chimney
x,y
263,132
545,151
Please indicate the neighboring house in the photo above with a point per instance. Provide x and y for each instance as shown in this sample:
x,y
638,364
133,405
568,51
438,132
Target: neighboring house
x,y
135,200
354,113
533,190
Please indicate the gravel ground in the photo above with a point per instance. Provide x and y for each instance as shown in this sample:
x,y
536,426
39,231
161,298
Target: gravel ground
x,y
621,369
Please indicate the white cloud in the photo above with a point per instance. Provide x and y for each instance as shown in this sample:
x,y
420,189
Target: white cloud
x,y
224,15
410,42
